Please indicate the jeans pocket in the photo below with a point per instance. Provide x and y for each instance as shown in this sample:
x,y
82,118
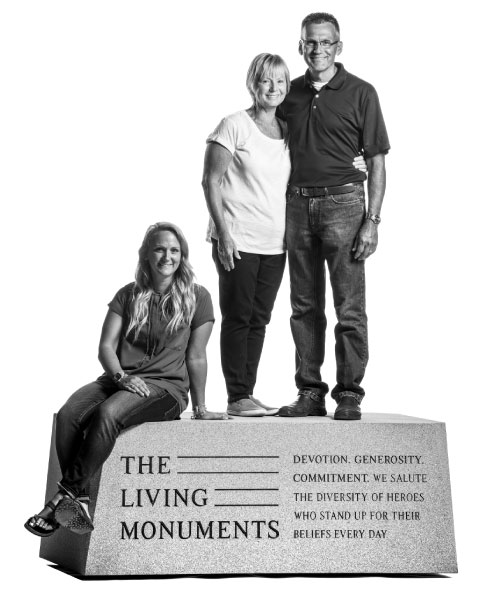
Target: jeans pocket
x,y
350,198
156,391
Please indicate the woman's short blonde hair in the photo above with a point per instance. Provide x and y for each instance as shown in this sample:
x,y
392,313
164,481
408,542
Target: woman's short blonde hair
x,y
264,65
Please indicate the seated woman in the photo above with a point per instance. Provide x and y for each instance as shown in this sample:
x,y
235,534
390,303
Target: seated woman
x,y
245,176
153,349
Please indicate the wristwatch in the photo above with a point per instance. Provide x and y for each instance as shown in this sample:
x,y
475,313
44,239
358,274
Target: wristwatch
x,y
374,218
118,376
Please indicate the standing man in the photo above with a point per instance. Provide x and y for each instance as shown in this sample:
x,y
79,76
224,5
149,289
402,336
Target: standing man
x,y
332,117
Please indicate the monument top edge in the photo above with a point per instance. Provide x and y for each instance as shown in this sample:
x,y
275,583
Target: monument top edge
x,y
367,418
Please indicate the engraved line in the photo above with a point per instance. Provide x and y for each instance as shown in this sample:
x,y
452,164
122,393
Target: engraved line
x,y
213,472
249,505
228,457
250,489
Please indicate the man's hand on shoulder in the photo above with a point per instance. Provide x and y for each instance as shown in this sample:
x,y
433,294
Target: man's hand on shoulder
x,y
366,241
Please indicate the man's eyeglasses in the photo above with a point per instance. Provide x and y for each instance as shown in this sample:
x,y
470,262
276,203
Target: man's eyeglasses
x,y
311,45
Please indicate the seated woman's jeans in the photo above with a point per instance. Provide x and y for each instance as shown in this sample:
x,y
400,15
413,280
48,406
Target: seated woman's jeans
x,y
88,425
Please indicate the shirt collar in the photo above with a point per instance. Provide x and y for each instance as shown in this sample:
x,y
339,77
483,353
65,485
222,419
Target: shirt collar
x,y
335,82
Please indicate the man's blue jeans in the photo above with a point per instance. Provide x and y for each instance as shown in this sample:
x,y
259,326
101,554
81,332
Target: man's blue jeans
x,y
88,425
320,230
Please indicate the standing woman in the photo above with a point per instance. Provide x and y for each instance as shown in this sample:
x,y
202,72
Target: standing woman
x,y
153,349
246,171
245,176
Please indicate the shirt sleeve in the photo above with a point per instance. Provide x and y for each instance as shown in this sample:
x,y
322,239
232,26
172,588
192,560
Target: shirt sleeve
x,y
226,133
375,137
204,308
120,300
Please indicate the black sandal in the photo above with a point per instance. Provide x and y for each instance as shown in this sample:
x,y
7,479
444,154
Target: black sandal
x,y
32,526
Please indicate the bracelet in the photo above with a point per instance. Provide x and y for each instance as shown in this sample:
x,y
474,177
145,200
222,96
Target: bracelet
x,y
199,411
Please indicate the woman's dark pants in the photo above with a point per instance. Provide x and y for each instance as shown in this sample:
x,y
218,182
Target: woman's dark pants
x,y
246,295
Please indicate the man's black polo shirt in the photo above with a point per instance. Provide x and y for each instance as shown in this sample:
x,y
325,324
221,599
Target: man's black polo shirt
x,y
329,128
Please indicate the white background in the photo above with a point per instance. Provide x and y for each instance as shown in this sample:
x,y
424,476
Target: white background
x,y
104,113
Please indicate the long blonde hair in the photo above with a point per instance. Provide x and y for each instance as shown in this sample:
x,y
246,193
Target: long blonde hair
x,y
178,304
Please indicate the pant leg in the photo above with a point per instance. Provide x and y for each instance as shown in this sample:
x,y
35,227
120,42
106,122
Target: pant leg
x,y
306,260
270,275
107,419
236,296
75,416
342,216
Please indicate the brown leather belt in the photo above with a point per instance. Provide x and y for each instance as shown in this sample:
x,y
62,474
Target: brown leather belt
x,y
348,188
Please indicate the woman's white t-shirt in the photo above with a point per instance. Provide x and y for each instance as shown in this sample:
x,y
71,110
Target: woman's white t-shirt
x,y
254,185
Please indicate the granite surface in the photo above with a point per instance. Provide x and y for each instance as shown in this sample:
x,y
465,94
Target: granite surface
x,y
268,495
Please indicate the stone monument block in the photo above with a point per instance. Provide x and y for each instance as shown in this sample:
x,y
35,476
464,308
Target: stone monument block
x,y
267,495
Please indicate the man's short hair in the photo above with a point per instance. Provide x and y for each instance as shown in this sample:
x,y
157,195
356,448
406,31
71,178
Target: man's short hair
x,y
322,18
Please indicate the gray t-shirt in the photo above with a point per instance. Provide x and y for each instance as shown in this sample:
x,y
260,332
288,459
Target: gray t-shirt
x,y
156,355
